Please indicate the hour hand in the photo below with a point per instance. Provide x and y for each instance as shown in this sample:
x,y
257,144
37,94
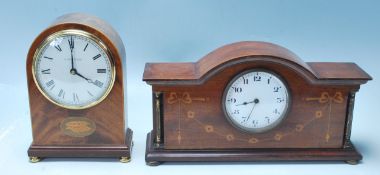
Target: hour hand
x,y
255,101
245,103
80,75
249,102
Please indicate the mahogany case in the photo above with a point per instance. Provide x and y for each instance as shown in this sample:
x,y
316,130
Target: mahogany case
x,y
189,123
112,137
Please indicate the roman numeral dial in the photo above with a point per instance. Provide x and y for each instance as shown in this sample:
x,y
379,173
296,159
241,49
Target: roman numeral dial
x,y
74,70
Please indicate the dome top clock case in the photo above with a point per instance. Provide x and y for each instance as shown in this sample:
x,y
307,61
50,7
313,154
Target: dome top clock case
x,y
252,101
75,70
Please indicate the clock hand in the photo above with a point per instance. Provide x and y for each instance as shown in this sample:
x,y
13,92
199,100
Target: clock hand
x,y
72,60
75,72
255,101
71,44
245,103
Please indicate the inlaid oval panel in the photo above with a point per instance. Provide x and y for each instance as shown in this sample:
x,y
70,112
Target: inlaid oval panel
x,y
78,126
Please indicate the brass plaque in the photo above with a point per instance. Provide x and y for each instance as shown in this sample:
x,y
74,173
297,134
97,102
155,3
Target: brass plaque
x,y
78,126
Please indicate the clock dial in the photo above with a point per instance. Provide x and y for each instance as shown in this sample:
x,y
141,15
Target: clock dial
x,y
256,100
73,69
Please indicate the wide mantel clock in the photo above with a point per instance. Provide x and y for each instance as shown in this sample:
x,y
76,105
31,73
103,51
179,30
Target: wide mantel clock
x,y
252,101
77,91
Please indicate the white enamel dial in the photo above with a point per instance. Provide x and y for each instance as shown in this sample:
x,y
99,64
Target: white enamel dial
x,y
256,101
73,70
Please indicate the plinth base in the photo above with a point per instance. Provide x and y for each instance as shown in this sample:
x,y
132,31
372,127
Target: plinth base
x,y
156,155
123,152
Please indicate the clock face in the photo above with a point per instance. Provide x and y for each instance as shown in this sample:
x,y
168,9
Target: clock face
x,y
256,100
73,69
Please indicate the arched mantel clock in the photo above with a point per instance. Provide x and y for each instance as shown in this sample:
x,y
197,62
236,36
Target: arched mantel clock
x,y
252,101
77,89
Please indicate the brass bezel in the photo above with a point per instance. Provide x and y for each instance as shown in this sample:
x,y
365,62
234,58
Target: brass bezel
x,y
88,35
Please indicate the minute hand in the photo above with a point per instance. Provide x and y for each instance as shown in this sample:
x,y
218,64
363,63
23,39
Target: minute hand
x,y
72,59
71,44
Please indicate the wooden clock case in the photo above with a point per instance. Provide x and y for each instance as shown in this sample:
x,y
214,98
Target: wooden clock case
x,y
189,123
111,137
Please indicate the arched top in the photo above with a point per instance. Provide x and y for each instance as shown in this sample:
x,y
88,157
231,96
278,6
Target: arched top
x,y
86,20
238,50
206,67
88,23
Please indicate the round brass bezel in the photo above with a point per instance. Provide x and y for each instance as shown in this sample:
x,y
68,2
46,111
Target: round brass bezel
x,y
88,35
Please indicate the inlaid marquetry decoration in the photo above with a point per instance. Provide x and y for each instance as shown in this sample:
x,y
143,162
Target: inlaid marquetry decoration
x,y
76,90
181,99
327,101
78,126
252,101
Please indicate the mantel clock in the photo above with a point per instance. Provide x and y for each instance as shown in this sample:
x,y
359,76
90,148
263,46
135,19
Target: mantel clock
x,y
77,91
252,101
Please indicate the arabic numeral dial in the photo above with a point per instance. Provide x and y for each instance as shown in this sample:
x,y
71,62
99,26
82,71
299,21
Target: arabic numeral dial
x,y
256,100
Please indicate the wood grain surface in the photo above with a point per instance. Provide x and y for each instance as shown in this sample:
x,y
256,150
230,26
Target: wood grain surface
x,y
191,110
108,116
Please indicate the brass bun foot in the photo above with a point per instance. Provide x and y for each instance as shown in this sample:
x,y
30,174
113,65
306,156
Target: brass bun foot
x,y
153,163
125,159
352,162
34,159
